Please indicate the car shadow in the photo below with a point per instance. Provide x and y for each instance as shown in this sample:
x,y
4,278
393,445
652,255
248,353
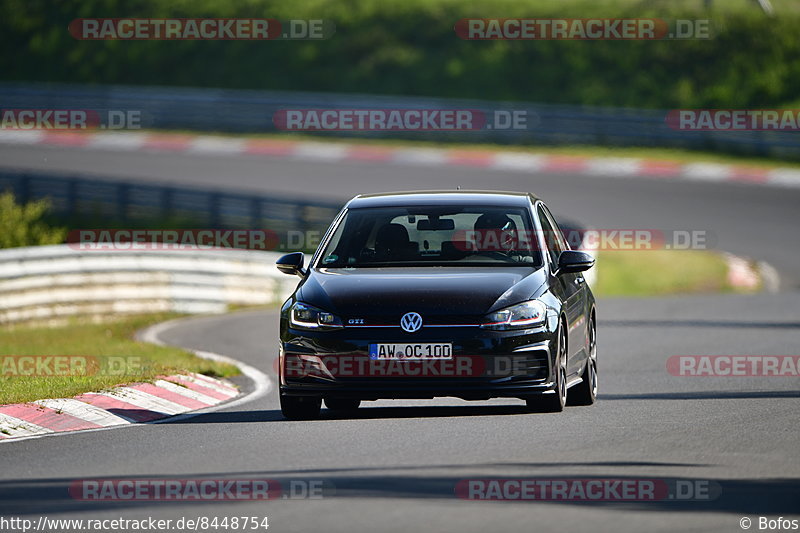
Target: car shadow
x,y
48,496
363,413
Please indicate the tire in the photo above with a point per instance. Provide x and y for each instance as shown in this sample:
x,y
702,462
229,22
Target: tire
x,y
585,393
300,407
554,403
342,405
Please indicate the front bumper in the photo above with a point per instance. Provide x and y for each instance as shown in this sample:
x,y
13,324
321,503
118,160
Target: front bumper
x,y
486,364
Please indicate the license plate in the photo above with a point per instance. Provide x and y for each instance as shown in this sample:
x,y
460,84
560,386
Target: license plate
x,y
411,352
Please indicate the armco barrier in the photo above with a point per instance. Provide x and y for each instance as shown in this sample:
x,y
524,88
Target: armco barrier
x,y
132,202
247,111
52,282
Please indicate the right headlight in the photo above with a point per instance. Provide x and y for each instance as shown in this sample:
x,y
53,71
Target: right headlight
x,y
304,316
520,316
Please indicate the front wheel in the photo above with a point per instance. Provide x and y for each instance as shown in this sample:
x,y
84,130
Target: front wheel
x,y
300,407
555,402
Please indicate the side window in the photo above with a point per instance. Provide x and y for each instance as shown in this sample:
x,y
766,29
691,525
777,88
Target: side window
x,y
553,247
558,235
552,237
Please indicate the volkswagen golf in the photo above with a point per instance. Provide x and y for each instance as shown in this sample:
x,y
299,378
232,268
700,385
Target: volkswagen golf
x,y
473,295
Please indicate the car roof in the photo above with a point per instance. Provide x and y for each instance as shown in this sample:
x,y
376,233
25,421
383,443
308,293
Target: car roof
x,y
410,198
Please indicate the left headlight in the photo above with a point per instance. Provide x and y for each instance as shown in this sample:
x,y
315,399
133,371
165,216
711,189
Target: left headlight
x,y
520,316
304,316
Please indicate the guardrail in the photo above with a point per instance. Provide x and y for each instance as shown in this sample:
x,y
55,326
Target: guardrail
x,y
246,111
53,282
128,202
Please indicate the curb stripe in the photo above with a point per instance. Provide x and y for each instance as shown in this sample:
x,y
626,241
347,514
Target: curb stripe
x,y
145,400
124,410
46,417
207,391
118,141
21,137
267,147
215,383
470,158
14,427
65,138
164,394
559,163
518,161
186,392
660,169
322,151
83,410
164,142
369,153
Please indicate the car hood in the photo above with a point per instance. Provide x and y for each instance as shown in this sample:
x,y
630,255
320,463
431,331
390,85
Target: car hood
x,y
432,291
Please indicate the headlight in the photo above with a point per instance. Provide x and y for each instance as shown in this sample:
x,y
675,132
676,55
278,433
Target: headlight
x,y
520,316
304,316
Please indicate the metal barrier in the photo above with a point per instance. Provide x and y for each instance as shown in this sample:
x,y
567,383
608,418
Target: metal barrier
x,y
252,111
123,202
52,282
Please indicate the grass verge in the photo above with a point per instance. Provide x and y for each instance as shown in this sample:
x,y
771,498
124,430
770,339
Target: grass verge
x,y
660,272
142,362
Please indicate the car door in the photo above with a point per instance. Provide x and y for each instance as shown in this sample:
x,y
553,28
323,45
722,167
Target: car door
x,y
572,291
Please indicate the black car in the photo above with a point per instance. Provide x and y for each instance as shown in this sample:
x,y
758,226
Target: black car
x,y
424,294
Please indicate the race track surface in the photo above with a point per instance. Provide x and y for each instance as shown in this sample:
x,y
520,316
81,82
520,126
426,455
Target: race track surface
x,y
395,465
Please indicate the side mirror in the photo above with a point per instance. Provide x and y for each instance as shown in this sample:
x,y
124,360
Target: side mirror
x,y
292,264
574,261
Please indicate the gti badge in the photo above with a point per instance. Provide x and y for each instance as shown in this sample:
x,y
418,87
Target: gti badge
x,y
411,322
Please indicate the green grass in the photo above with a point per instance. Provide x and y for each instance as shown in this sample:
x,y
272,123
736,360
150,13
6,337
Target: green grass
x,y
114,338
660,272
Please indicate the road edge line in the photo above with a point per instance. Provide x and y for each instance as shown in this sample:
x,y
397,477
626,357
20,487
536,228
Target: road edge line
x,y
261,381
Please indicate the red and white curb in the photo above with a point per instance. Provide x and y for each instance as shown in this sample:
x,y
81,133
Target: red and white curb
x,y
330,151
138,402
748,275
168,398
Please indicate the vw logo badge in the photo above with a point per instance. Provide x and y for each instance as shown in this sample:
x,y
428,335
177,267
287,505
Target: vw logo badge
x,y
411,322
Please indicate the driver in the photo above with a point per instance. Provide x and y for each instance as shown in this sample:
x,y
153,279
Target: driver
x,y
495,232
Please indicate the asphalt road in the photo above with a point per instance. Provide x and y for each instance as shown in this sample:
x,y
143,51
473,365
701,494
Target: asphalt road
x,y
395,465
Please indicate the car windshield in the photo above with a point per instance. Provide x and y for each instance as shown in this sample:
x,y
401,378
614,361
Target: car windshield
x,y
432,235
